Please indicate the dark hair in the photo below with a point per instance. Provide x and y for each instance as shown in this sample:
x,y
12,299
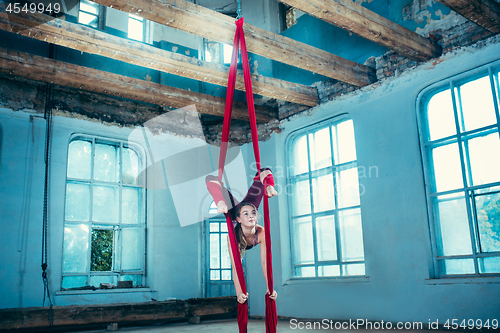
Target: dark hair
x,y
240,237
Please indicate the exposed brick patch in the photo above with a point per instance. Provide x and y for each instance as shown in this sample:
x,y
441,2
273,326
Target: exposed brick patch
x,y
240,132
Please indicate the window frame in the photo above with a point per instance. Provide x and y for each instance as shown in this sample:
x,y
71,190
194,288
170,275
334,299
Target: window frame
x,y
460,138
101,15
291,138
115,226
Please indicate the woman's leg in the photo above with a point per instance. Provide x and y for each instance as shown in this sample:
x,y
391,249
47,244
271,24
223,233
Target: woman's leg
x,y
258,187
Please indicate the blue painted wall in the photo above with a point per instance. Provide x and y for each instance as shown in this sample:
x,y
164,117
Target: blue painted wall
x,y
394,214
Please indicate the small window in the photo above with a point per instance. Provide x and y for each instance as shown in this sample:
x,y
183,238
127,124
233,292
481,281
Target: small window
x,y
461,147
220,262
324,202
91,14
104,220
218,52
136,27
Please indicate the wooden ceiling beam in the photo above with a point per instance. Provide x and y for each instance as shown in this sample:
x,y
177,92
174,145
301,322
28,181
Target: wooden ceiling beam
x,y
485,13
201,21
65,74
354,18
86,39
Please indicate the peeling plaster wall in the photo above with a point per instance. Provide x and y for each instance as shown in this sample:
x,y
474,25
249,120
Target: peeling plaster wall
x,y
398,286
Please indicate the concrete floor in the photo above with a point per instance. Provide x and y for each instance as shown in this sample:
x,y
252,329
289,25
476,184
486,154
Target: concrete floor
x,y
231,326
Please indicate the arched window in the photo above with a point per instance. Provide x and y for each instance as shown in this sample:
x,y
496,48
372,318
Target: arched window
x,y
459,127
324,201
104,220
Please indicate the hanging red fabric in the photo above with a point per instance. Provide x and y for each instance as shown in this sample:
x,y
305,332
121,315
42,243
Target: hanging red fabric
x,y
271,314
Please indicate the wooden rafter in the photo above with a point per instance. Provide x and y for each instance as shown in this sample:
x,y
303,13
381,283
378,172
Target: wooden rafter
x,y
485,13
197,20
61,73
85,39
353,17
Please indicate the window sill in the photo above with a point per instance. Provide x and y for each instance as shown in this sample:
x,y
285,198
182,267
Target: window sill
x,y
356,279
463,280
103,291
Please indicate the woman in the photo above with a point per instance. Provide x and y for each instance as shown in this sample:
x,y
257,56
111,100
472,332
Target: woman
x,y
244,215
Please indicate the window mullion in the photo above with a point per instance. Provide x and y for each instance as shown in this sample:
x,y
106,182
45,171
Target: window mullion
x,y
495,96
313,217
91,200
464,173
336,214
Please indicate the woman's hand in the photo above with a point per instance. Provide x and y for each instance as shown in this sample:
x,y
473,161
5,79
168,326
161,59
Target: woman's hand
x,y
242,298
274,295
221,207
271,192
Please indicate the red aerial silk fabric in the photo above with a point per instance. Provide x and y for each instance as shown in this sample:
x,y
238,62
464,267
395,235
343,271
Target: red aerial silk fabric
x,y
271,314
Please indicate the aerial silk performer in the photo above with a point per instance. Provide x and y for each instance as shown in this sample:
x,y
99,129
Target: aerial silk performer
x,y
243,231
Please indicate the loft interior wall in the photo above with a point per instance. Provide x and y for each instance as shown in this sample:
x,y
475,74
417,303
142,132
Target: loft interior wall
x,y
394,213
173,258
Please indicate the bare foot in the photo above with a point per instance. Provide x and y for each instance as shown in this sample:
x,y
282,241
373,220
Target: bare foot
x,y
271,192
221,207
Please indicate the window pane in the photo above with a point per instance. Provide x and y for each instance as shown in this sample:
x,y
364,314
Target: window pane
x,y
105,204
228,53
447,168
353,269
90,7
79,159
212,209
484,153
130,171
331,270
136,279
299,163
76,248
214,226
135,29
305,271
320,149
344,142
348,188
477,104
214,275
69,282
323,193
225,260
303,244
226,275
131,201
214,251
77,202
452,225
301,198
132,253
102,250
88,19
440,116
351,235
489,265
223,226
488,220
96,280
456,266
106,163
326,239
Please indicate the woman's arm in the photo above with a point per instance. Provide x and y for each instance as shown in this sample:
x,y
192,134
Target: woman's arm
x,y
241,297
263,261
